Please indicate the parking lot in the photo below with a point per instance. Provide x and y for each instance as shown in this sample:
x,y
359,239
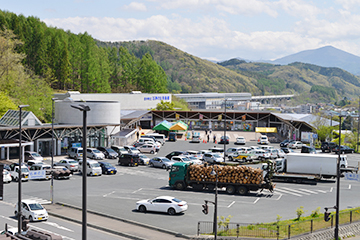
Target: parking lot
x,y
116,194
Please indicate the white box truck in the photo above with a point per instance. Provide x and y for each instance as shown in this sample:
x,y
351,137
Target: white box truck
x,y
301,167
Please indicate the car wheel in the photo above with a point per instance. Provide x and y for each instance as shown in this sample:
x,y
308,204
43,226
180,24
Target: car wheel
x,y
151,165
16,214
164,166
171,211
352,151
152,152
342,152
231,158
142,208
31,218
342,166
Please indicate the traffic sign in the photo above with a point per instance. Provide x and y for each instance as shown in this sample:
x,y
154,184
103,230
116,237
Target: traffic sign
x,y
315,135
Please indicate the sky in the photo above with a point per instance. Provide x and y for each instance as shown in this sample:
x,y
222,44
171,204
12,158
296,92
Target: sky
x,y
211,29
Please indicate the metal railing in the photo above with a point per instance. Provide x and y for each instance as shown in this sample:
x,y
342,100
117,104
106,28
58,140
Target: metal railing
x,y
277,231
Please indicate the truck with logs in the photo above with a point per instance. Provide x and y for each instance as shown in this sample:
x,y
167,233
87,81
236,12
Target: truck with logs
x,y
236,179
301,167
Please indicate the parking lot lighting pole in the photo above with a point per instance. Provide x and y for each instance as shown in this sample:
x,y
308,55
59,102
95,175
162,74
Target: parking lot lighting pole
x,y
84,109
338,184
52,151
19,173
225,131
357,144
215,173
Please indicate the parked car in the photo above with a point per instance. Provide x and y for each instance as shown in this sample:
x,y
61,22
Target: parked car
x,y
75,152
308,149
175,153
107,168
264,140
94,153
108,152
70,164
32,210
213,158
276,153
328,146
6,176
240,140
196,154
92,167
287,150
233,150
158,137
14,172
129,159
195,139
144,140
132,149
242,156
344,149
186,159
39,167
33,156
60,172
194,160
120,150
161,162
147,148
224,140
172,137
285,143
219,151
143,159
295,144
165,204
261,154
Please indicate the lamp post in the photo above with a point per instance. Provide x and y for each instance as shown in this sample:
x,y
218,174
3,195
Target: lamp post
x,y
52,150
19,173
225,130
215,173
357,144
338,184
84,109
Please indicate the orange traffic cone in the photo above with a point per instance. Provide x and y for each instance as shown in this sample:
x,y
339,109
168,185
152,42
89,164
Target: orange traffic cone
x,y
185,138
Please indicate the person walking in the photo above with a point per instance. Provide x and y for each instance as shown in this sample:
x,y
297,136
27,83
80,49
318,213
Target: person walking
x,y
214,138
208,138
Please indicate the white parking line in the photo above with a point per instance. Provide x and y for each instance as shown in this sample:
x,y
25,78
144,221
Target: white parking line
x,y
256,200
231,204
322,191
349,186
58,226
287,192
105,195
137,190
309,191
293,190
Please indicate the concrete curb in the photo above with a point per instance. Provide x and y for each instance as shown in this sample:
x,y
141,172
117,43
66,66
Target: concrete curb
x,y
120,219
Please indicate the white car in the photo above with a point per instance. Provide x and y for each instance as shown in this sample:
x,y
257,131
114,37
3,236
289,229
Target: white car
x,y
32,210
240,140
213,158
194,160
147,148
94,153
276,153
261,154
165,204
295,144
132,149
143,159
263,140
6,176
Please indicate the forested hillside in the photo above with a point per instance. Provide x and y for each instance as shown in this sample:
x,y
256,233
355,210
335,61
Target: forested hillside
x,y
36,60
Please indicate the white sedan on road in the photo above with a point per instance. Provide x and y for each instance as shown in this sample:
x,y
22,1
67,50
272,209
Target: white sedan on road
x,y
165,204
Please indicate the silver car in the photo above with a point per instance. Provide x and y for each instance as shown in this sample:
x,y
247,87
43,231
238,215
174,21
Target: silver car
x,y
213,158
94,153
161,162
70,164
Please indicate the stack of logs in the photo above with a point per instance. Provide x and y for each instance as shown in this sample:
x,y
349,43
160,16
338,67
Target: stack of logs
x,y
226,174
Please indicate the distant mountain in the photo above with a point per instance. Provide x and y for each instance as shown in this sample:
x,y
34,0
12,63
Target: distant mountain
x,y
326,57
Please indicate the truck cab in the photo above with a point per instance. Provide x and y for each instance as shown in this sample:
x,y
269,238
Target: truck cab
x,y
177,175
14,172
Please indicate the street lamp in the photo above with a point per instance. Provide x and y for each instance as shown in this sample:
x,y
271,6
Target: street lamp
x,y
338,184
52,150
19,173
84,109
215,173
225,130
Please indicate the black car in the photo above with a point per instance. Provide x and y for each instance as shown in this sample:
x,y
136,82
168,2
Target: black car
x,y
307,149
285,143
224,140
129,159
175,153
108,152
287,150
107,168
344,149
328,146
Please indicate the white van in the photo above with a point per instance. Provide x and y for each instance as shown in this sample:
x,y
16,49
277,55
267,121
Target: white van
x,y
75,152
159,137
93,168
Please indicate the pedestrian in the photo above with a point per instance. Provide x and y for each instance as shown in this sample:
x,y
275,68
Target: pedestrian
x,y
208,137
205,131
214,138
210,131
137,135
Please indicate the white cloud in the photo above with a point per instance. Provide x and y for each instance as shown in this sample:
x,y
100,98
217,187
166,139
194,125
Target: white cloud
x,y
299,8
246,7
349,4
135,6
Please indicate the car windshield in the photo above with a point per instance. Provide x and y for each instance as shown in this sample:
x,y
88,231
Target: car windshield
x,y
107,165
96,151
110,150
132,148
93,165
185,159
142,156
165,160
35,155
217,155
36,206
217,150
72,161
24,169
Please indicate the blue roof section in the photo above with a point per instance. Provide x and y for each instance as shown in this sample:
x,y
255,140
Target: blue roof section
x,y
11,119
305,118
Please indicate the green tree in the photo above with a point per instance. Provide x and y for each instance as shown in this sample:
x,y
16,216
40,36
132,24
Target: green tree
x,y
6,103
165,106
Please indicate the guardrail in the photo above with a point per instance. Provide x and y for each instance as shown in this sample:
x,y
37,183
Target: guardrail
x,y
277,231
